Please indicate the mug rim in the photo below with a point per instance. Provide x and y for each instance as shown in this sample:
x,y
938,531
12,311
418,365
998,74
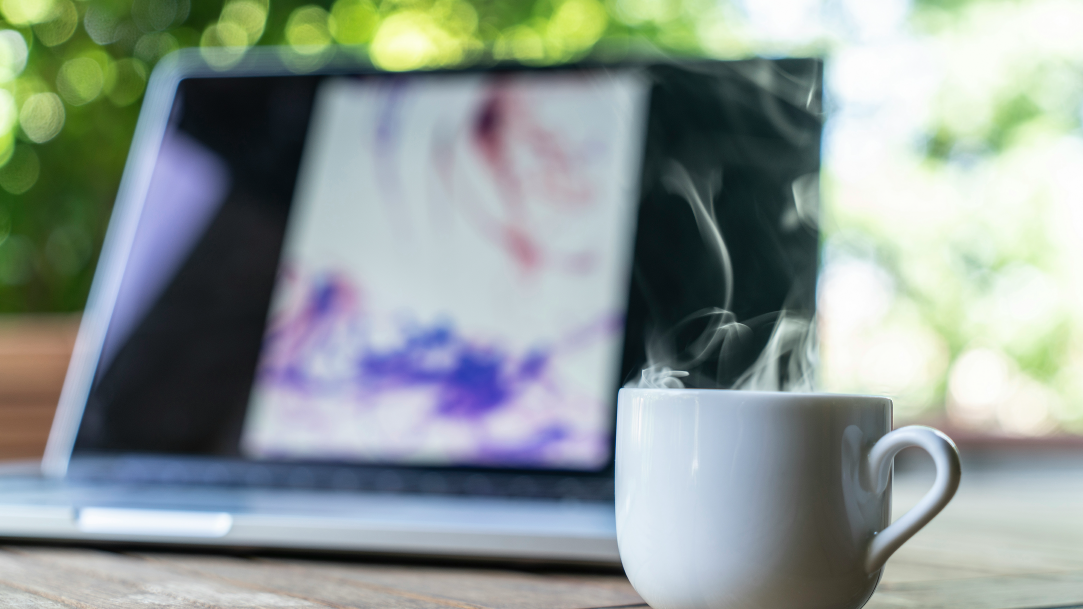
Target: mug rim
x,y
799,394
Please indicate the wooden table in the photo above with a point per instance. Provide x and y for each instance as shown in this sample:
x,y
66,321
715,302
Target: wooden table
x,y
1008,540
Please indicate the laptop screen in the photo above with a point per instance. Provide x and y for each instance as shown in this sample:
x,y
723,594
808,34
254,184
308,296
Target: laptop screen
x,y
435,270
455,273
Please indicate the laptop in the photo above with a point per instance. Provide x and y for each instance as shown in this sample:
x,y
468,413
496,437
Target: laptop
x,y
347,310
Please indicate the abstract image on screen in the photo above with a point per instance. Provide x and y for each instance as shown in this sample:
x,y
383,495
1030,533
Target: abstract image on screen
x,y
453,283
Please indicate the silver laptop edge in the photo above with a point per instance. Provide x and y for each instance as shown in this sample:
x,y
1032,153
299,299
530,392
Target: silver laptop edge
x,y
344,522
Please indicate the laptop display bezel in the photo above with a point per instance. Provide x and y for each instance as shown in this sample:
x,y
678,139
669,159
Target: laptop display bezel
x,y
150,130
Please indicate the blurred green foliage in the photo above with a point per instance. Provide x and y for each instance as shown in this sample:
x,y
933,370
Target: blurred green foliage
x,y
953,198
954,225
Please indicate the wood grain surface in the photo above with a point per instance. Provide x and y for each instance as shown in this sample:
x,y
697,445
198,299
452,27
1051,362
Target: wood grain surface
x,y
49,577
1008,541
34,355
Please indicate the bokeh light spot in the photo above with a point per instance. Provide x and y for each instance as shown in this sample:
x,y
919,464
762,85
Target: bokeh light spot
x,y
1028,410
42,116
21,171
80,80
577,25
9,114
155,15
61,24
152,47
353,22
26,12
225,35
521,43
124,81
248,15
411,39
223,44
101,25
7,147
979,380
13,54
307,30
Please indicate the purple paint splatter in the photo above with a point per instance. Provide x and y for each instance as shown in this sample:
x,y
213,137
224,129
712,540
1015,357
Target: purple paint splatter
x,y
468,378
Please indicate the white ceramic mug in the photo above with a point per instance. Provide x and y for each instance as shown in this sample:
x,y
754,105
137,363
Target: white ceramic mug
x,y
744,499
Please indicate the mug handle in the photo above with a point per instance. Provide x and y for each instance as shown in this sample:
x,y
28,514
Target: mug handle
x,y
944,454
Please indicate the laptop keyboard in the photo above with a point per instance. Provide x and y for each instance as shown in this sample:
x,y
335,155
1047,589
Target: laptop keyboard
x,y
541,485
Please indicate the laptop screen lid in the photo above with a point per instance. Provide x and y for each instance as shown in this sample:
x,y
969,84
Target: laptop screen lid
x,y
403,282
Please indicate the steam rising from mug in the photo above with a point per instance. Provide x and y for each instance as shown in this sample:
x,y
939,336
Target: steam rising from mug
x,y
789,360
